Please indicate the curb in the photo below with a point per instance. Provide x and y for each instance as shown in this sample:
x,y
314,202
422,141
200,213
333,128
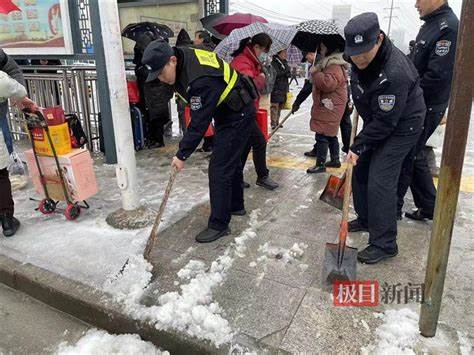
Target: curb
x,y
98,309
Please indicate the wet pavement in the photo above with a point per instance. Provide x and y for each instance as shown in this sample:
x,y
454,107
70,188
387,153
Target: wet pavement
x,y
273,292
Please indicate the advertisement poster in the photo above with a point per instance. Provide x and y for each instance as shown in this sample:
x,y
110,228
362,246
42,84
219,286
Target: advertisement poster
x,y
41,27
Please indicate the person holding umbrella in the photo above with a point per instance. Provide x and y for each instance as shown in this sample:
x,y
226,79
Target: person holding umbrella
x,y
387,94
281,88
248,60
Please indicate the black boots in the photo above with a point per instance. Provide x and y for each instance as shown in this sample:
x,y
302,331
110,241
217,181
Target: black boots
x,y
357,225
419,215
10,225
373,254
209,235
334,163
311,153
267,183
318,168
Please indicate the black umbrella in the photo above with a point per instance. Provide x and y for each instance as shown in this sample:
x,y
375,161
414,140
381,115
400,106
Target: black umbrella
x,y
208,23
310,33
134,30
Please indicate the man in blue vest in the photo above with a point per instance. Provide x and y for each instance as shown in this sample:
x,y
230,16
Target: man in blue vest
x,y
212,90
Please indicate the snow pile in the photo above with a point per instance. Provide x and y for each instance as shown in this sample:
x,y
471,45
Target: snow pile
x,y
183,256
129,285
397,335
192,269
285,255
191,310
100,342
465,346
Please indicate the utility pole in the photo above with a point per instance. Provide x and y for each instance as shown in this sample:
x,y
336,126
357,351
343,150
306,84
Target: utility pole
x,y
390,17
454,148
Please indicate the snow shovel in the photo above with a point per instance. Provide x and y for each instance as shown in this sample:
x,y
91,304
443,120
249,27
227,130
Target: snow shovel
x,y
340,261
279,126
333,193
154,232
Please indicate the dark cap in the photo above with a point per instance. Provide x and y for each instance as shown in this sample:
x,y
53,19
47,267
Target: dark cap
x,y
361,33
155,57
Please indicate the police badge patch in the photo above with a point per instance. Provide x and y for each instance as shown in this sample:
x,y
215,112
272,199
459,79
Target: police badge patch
x,y
442,47
195,103
386,102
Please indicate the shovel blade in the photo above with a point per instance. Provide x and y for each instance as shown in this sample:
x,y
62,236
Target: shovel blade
x,y
333,193
332,272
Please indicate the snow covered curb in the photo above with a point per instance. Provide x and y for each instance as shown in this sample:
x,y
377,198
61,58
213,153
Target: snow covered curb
x,y
192,310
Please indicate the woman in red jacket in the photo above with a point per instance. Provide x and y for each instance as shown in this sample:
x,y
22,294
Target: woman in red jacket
x,y
247,61
329,102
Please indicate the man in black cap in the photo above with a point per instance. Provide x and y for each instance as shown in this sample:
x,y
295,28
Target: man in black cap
x,y
433,55
386,92
213,90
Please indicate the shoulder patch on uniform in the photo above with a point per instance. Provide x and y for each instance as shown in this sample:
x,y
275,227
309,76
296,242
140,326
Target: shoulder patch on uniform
x,y
195,103
386,102
442,47
443,24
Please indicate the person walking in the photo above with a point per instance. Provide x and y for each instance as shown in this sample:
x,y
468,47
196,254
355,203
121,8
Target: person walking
x,y
280,89
213,90
433,55
247,61
387,94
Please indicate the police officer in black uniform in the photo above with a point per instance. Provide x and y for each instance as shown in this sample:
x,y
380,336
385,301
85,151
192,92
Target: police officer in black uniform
x,y
213,90
433,55
386,92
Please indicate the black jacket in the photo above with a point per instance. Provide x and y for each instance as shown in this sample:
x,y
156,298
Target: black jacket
x,y
433,56
304,93
388,97
282,86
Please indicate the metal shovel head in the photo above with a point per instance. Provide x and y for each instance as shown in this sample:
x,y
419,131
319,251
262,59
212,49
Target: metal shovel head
x,y
333,193
332,272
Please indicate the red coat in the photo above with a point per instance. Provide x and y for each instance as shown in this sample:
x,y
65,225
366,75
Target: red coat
x,y
329,95
248,64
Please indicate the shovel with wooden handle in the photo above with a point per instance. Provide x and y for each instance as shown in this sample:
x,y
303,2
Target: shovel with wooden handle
x,y
154,232
333,193
279,125
340,261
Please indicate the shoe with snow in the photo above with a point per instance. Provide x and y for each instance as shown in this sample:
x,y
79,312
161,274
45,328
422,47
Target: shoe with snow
x,y
10,225
246,185
357,225
154,145
209,235
311,153
373,254
419,215
267,183
241,212
334,163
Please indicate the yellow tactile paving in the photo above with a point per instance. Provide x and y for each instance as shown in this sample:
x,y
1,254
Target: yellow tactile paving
x,y
288,162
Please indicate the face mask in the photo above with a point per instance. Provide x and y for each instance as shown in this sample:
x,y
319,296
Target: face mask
x,y
263,57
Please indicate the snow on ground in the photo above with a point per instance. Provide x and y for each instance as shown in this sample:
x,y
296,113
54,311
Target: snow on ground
x,y
89,250
100,342
285,255
192,309
397,335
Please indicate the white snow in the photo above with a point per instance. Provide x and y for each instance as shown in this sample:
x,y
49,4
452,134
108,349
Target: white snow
x,y
192,269
100,342
192,309
286,255
397,335
465,345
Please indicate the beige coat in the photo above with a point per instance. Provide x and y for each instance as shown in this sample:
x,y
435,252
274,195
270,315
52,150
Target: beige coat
x,y
9,88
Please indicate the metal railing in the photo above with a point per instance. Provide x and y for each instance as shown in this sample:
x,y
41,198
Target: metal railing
x,y
72,87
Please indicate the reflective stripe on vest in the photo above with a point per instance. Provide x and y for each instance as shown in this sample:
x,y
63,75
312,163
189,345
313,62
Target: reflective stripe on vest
x,y
230,81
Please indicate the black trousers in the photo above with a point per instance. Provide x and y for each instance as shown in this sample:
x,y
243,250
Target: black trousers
x,y
416,173
375,183
325,143
295,79
226,186
258,144
6,200
346,128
